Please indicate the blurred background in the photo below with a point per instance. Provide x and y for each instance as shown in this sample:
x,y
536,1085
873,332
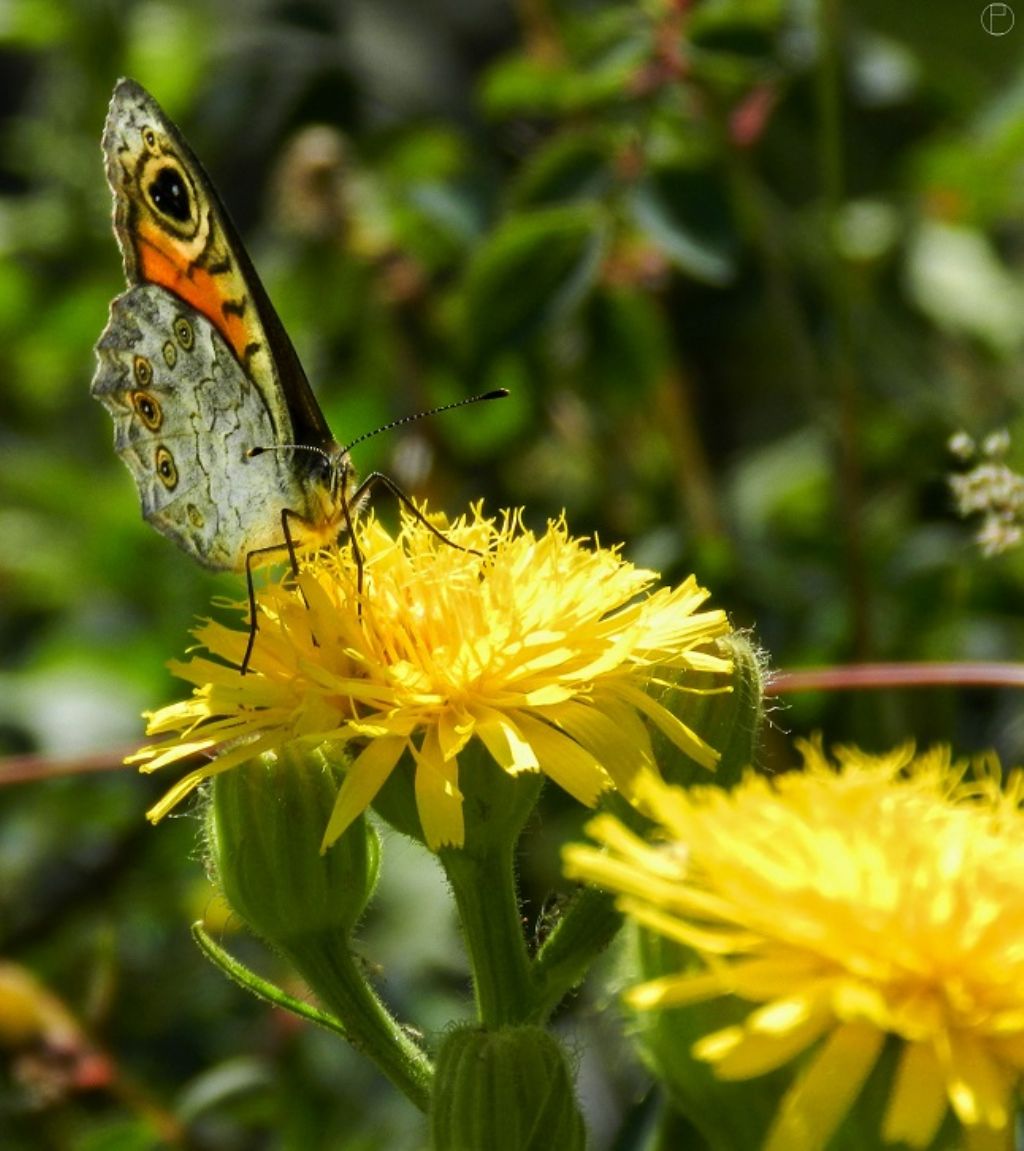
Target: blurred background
x,y
745,267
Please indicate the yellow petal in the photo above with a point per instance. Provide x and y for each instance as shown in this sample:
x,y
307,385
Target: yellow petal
x,y
815,1105
454,731
191,781
363,779
979,1088
766,977
173,753
438,799
564,761
918,1101
503,740
988,1139
624,751
674,991
686,740
765,1044
711,940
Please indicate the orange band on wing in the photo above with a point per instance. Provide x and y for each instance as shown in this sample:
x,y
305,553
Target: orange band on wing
x,y
194,285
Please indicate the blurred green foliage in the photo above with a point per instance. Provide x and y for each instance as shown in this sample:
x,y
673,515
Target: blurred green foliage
x,y
744,265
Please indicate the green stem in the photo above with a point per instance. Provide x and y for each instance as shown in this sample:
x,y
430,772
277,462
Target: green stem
x,y
333,973
841,362
486,894
588,925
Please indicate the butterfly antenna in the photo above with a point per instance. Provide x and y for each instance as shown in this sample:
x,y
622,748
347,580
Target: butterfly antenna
x,y
260,449
497,394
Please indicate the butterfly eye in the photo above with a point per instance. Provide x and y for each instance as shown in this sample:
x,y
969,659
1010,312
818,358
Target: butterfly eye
x,y
143,371
165,468
149,139
148,409
183,331
170,353
170,196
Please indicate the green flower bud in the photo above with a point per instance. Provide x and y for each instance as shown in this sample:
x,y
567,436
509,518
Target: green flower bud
x,y
738,1114
732,1116
264,829
507,1090
730,721
265,824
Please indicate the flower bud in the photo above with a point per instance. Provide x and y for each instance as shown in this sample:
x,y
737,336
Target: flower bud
x,y
507,1090
265,824
740,1113
730,721
733,1116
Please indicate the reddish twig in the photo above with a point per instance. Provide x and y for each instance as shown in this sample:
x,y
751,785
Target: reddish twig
x,y
30,768
866,676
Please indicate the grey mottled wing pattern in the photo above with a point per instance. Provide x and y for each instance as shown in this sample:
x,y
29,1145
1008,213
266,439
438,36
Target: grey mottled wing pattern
x,y
185,416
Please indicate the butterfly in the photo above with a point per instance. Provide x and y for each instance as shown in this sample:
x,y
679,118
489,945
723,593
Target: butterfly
x,y
196,368
213,413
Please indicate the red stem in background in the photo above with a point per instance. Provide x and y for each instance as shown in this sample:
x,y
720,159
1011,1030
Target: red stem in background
x,y
848,677
864,676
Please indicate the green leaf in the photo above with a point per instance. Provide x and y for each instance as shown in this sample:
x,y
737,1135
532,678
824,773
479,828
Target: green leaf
x,y
574,165
121,1134
685,212
531,271
527,86
724,17
260,987
221,1083
630,341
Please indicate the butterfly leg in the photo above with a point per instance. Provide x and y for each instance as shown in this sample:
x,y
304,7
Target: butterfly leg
x,y
375,479
287,515
250,588
357,552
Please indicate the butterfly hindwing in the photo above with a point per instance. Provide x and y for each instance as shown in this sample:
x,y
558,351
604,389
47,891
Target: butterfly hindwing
x,y
184,416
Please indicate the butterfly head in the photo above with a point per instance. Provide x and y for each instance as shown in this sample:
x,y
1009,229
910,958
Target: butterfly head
x,y
331,484
330,487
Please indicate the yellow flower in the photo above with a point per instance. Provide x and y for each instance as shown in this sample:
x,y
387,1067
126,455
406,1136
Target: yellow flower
x,y
882,896
540,647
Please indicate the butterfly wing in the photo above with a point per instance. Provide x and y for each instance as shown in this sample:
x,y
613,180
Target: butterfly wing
x,y
185,415
174,231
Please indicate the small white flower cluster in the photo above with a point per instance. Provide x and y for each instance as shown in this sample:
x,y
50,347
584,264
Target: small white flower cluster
x,y
991,489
